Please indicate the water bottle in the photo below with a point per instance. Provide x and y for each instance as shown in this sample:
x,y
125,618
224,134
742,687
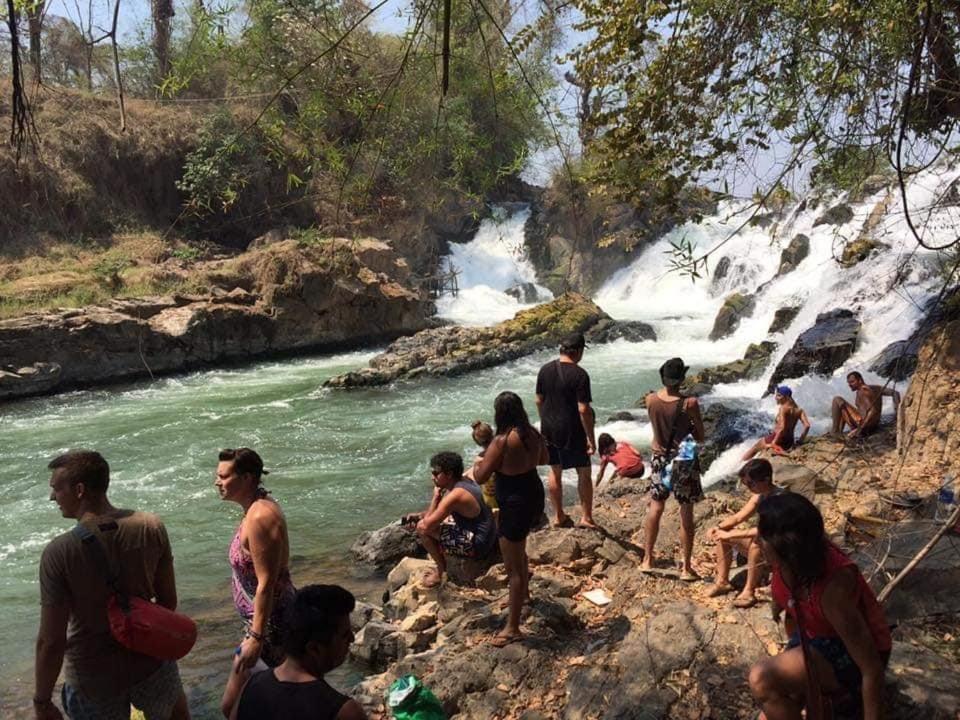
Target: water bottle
x,y
687,449
946,499
665,476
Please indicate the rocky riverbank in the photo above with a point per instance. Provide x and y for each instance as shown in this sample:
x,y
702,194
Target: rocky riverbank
x,y
286,297
661,648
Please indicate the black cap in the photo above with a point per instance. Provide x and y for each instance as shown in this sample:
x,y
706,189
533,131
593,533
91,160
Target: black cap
x,y
572,342
673,371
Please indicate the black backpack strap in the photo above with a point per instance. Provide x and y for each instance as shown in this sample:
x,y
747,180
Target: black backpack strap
x,y
95,548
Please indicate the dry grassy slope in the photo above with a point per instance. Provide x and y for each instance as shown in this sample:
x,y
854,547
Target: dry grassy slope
x,y
88,179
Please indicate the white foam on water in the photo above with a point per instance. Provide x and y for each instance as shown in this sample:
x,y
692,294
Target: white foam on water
x,y
494,261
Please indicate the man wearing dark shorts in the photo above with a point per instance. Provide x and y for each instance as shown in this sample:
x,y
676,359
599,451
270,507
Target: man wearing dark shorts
x,y
566,421
672,417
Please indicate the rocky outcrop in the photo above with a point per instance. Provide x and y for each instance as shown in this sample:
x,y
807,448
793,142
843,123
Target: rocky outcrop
x,y
821,349
455,350
794,253
866,241
736,307
751,366
782,318
578,243
283,298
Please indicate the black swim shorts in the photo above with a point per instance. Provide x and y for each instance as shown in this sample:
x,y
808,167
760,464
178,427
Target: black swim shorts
x,y
521,500
568,458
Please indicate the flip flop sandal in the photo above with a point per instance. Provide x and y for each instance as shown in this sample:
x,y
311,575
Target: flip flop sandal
x,y
501,641
744,603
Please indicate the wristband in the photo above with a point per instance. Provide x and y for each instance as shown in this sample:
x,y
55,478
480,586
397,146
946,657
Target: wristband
x,y
255,635
40,702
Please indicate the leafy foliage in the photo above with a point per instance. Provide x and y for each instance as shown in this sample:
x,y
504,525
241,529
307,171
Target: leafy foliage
x,y
699,89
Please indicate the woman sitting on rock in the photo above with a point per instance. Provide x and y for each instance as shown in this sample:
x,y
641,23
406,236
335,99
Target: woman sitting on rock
x,y
839,639
457,522
514,455
781,440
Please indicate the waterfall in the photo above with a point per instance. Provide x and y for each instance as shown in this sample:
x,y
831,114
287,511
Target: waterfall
x,y
888,291
493,262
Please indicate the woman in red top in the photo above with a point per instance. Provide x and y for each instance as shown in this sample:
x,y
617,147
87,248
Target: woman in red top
x,y
827,599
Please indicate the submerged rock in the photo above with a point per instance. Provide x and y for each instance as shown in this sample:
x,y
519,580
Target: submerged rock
x,y
608,330
837,215
525,293
782,318
734,309
751,366
821,349
455,350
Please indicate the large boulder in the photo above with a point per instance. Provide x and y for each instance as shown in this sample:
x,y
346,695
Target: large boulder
x,y
387,546
736,307
725,426
794,253
455,350
820,349
897,360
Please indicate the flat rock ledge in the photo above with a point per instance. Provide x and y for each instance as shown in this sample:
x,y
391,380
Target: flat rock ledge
x,y
284,298
456,350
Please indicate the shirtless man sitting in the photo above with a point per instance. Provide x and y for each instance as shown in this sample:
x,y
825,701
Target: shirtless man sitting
x,y
863,416
782,439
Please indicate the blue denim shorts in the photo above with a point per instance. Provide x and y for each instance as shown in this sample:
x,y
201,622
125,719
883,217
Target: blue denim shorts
x,y
155,696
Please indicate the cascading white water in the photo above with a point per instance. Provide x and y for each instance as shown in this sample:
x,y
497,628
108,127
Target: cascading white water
x,y
887,291
494,261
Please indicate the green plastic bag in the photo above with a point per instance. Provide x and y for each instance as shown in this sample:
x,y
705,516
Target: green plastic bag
x,y
408,699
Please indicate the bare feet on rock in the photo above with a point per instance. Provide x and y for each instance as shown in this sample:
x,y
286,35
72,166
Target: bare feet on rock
x,y
562,521
432,578
505,638
718,590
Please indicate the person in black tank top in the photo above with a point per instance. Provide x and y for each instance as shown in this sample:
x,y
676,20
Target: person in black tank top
x,y
317,640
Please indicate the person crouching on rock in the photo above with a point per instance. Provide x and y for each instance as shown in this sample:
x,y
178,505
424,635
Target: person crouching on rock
x,y
458,521
835,624
483,435
514,455
863,416
782,440
317,640
624,457
757,477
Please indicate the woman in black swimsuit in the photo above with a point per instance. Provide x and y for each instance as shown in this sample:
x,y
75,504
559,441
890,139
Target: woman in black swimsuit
x,y
514,455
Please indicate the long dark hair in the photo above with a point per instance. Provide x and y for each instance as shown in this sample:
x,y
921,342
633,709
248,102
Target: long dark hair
x,y
509,414
793,527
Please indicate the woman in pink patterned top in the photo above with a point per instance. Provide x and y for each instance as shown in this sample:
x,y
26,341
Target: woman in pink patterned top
x,y
260,562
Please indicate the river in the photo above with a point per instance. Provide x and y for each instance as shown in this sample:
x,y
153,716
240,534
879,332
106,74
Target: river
x,y
343,462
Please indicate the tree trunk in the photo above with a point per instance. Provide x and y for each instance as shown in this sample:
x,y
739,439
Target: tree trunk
x,y
34,21
162,12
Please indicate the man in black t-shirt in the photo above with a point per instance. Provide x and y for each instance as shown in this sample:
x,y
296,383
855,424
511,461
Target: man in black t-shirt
x,y
566,421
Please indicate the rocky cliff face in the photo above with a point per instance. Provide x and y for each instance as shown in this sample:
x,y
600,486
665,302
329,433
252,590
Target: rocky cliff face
x,y
279,299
